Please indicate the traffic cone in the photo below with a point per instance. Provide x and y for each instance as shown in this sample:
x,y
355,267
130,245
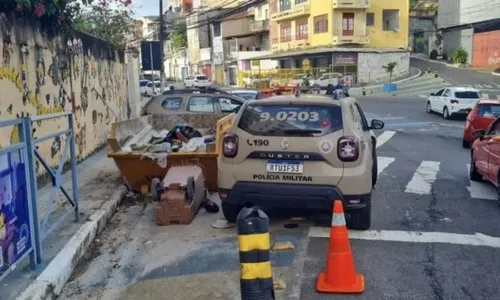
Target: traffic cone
x,y
340,275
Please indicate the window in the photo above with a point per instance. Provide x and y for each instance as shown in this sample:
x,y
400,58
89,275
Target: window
x,y
488,110
285,5
438,94
202,77
363,118
143,83
370,19
217,30
467,95
279,120
447,93
228,105
391,19
247,95
494,128
321,24
285,32
348,24
201,104
150,85
301,29
300,1
356,117
172,103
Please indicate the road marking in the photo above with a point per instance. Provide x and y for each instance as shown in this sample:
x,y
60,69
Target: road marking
x,y
488,86
451,125
481,190
477,239
421,182
479,86
423,96
390,118
384,137
383,163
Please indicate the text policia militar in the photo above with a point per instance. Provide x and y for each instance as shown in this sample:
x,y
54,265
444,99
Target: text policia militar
x,y
283,177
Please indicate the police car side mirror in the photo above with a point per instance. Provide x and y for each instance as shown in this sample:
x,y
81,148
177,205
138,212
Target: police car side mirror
x,y
236,109
376,124
432,94
479,134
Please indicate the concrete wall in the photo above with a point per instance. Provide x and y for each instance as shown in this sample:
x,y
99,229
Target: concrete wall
x,y
458,38
370,66
421,25
43,73
458,12
133,93
486,49
235,27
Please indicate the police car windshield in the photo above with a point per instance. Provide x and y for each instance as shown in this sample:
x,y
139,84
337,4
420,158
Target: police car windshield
x,y
284,120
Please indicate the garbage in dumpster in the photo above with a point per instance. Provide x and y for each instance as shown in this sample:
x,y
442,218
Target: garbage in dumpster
x,y
137,147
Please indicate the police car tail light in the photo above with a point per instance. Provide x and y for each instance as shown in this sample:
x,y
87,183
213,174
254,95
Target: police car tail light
x,y
230,145
348,148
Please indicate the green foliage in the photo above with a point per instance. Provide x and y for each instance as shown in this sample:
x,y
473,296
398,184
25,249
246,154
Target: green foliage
x,y
434,54
413,3
179,37
460,56
390,69
113,25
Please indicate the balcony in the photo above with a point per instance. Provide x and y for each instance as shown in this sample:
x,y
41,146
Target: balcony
x,y
357,37
259,26
291,43
294,12
351,4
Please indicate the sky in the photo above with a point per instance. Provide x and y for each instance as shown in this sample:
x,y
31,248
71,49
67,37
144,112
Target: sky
x,y
146,7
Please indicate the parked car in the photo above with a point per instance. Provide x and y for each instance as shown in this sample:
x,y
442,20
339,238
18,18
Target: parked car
x,y
453,101
253,80
300,152
485,155
326,79
197,81
146,88
297,79
481,116
196,101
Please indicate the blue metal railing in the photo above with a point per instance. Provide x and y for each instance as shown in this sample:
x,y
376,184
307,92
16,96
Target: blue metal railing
x,y
21,230
43,228
13,214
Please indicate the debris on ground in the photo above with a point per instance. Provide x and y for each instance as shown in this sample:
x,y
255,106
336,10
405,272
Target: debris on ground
x,y
282,246
222,224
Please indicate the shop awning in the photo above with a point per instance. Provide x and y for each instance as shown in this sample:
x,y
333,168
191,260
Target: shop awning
x,y
323,50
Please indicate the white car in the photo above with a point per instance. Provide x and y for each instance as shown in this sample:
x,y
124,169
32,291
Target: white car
x,y
453,101
297,79
326,79
197,81
146,88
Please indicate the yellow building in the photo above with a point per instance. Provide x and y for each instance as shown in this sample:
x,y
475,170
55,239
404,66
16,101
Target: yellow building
x,y
361,32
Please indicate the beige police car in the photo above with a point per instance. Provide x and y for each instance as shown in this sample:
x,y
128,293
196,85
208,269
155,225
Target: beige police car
x,y
302,152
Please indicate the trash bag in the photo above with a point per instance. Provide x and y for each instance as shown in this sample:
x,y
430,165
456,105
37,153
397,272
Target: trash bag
x,y
210,206
184,130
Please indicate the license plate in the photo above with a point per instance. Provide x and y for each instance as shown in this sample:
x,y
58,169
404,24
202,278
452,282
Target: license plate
x,y
293,167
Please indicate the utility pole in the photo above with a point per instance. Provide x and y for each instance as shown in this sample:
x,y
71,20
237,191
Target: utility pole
x,y
162,55
212,52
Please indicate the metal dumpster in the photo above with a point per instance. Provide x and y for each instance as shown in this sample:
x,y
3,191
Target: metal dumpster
x,y
137,169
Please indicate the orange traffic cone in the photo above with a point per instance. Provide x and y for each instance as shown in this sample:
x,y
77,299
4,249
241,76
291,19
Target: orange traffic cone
x,y
340,275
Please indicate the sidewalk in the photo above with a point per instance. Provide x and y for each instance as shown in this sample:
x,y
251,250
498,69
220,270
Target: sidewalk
x,y
414,74
98,179
437,61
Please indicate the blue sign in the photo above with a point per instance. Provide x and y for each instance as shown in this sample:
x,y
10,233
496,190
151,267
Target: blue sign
x,y
150,55
15,235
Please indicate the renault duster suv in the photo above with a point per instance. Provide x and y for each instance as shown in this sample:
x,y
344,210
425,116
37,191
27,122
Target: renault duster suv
x,y
302,151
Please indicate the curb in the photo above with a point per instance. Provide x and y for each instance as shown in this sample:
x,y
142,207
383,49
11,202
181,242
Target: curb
x,y
436,61
495,74
49,284
358,89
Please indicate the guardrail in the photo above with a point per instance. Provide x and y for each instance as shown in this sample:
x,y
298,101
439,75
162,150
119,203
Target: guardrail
x,y
21,231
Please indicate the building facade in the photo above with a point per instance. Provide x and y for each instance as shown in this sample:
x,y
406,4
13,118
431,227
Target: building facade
x,y
345,36
473,25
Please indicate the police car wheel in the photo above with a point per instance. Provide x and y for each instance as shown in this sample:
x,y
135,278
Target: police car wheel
x,y
360,219
231,211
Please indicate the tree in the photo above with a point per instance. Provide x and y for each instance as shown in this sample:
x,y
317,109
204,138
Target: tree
x,y
114,25
179,37
390,68
413,3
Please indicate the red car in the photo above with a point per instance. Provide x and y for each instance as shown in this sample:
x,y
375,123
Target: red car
x,y
480,117
485,155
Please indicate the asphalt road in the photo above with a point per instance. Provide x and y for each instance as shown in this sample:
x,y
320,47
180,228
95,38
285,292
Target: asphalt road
x,y
486,82
434,233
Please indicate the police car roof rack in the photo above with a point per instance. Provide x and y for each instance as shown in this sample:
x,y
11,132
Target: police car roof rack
x,y
201,90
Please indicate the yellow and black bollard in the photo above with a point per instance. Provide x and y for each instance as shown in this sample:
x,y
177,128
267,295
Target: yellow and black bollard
x,y
364,92
256,279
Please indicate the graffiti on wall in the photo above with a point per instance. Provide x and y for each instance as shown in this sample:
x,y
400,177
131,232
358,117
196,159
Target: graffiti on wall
x,y
55,76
